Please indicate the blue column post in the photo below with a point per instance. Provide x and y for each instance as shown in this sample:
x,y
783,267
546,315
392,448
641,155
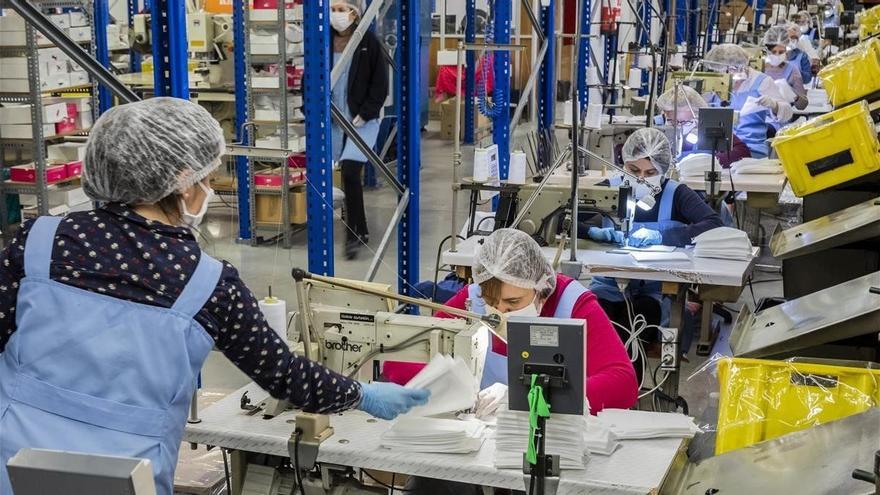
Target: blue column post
x,y
408,101
170,71
547,76
101,18
501,122
644,37
316,99
583,60
241,135
470,72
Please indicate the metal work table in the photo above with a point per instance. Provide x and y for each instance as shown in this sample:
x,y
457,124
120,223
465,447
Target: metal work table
x,y
719,280
749,183
637,467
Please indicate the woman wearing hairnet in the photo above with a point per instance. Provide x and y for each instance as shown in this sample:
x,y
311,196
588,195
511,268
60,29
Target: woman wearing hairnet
x,y
780,69
678,216
804,23
765,102
685,108
106,316
512,276
360,94
800,53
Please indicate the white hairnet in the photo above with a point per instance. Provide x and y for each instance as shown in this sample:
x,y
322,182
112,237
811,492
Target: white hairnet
x,y
513,257
687,98
141,152
353,4
649,143
725,55
803,15
777,35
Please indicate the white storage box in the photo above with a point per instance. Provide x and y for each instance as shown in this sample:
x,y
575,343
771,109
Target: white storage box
x,y
78,19
69,197
83,33
60,20
264,82
10,21
449,57
80,77
55,81
12,38
54,67
84,120
24,131
21,114
66,152
14,85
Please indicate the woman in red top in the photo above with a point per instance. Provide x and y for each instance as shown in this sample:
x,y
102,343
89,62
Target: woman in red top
x,y
513,277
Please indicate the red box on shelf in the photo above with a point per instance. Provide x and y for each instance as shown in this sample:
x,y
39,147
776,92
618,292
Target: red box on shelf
x,y
27,173
66,126
272,178
72,110
297,160
271,4
74,169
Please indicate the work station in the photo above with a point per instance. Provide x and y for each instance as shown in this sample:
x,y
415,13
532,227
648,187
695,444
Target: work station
x,y
345,247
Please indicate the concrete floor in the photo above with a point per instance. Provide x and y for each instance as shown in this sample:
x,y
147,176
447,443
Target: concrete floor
x,y
270,265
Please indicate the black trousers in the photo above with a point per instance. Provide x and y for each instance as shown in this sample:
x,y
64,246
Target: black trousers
x,y
353,185
644,305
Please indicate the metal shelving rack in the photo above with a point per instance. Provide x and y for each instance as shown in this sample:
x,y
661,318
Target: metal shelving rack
x,y
34,98
282,59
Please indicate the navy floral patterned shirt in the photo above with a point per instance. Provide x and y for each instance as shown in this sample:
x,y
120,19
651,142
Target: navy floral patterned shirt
x,y
116,252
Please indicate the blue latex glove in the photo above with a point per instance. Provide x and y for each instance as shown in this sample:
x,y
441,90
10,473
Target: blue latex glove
x,y
388,400
605,235
645,237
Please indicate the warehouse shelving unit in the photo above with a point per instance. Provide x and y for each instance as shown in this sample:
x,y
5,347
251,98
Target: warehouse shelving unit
x,y
34,97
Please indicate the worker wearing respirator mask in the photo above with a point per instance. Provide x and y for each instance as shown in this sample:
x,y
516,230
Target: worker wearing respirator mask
x,y
513,277
780,69
360,94
765,102
689,103
799,51
678,216
107,316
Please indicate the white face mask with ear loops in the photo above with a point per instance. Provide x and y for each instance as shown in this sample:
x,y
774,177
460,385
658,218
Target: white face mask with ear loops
x,y
192,220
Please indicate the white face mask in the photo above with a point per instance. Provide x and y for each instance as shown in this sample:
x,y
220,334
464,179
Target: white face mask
x,y
192,220
340,21
641,190
530,309
793,45
740,76
775,60
805,29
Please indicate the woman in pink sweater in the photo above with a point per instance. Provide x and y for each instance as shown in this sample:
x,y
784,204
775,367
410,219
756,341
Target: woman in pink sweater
x,y
513,276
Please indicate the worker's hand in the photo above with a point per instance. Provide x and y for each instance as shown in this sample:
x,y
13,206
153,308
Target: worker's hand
x,y
769,102
645,237
605,235
358,121
489,399
387,400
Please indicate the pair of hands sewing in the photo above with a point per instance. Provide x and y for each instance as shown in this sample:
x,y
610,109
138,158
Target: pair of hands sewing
x,y
640,238
387,400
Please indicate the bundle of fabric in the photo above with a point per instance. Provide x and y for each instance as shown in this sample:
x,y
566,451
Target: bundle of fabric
x,y
725,243
565,438
452,385
640,425
757,166
434,435
696,165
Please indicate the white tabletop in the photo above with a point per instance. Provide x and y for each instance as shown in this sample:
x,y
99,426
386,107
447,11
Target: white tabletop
x,y
598,261
755,183
637,467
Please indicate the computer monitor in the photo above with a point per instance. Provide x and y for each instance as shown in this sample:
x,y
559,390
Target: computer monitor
x,y
554,347
39,471
715,129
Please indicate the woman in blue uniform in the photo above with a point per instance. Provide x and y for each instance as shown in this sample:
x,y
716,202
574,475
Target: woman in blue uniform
x,y
106,316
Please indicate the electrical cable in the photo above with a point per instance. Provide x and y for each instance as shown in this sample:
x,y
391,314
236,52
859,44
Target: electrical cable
x,y
657,387
296,472
226,471
733,193
385,485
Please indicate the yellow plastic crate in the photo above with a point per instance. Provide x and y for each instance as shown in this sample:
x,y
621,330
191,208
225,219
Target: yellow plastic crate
x,y
869,22
829,150
761,400
854,75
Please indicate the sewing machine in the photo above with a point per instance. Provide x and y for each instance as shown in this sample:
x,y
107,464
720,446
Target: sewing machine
x,y
209,43
703,82
546,213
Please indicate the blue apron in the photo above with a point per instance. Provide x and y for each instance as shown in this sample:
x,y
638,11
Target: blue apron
x,y
495,367
343,148
752,128
606,288
86,372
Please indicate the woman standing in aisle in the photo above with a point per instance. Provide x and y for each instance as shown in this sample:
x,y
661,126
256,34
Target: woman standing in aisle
x,y
106,316
360,94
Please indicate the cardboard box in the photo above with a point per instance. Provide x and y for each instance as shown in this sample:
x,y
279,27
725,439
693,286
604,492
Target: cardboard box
x,y
78,19
80,33
21,114
56,81
28,173
60,20
24,131
66,152
272,178
14,85
447,119
16,68
268,208
12,38
78,78
54,67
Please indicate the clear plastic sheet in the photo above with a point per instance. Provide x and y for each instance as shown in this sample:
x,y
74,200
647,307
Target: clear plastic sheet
x,y
853,73
869,22
200,472
760,400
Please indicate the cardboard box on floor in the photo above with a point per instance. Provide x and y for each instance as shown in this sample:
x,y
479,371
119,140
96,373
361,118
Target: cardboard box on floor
x,y
447,120
268,207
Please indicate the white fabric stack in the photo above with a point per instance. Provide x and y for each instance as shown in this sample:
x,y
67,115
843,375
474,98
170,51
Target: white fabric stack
x,y
756,166
725,243
434,435
565,438
598,437
453,387
640,425
696,165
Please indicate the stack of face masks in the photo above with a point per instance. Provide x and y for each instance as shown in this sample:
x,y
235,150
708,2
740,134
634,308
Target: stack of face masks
x,y
696,165
723,243
565,438
757,166
640,425
433,435
453,387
